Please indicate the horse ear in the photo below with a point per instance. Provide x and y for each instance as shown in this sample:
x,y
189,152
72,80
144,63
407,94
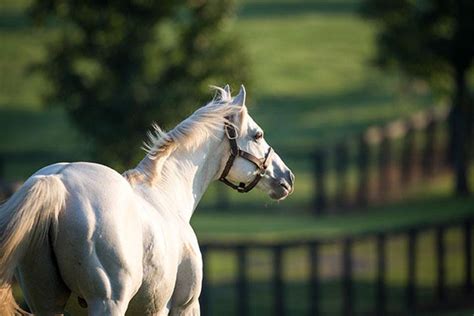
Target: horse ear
x,y
227,89
240,98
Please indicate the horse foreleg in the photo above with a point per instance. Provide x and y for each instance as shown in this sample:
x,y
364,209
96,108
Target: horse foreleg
x,y
99,307
189,310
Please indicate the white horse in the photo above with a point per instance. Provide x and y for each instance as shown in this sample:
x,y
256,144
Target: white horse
x,y
123,243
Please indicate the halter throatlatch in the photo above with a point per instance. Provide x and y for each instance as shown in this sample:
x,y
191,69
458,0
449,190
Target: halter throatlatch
x,y
235,151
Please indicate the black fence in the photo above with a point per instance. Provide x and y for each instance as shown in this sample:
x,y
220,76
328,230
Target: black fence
x,y
410,296
383,161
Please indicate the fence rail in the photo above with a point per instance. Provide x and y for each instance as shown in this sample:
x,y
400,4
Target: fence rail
x,y
385,159
347,243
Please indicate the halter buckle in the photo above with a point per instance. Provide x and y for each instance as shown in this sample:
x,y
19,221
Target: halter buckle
x,y
228,128
241,188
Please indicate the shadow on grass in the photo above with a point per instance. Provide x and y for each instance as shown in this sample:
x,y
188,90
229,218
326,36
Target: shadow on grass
x,y
284,8
320,119
48,130
13,20
32,139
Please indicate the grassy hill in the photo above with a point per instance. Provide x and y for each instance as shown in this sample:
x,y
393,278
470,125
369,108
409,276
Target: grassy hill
x,y
312,80
313,84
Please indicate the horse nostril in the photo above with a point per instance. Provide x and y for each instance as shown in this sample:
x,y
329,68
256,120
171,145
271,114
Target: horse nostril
x,y
285,185
291,178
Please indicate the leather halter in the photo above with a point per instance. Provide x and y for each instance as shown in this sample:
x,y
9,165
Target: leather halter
x,y
235,151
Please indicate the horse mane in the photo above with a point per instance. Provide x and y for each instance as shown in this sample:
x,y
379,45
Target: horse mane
x,y
190,134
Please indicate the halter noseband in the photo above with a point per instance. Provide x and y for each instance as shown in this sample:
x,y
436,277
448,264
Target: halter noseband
x,y
235,151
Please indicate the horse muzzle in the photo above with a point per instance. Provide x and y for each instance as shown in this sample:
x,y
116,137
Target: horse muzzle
x,y
282,186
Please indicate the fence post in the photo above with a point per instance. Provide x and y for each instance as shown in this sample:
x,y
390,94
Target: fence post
x,y
342,155
204,298
314,278
468,256
320,202
450,147
440,259
380,303
279,297
411,270
347,293
362,164
385,177
408,153
242,289
429,146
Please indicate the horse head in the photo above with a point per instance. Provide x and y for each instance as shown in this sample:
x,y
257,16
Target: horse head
x,y
251,161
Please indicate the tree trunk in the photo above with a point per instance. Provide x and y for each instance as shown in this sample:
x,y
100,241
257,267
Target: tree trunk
x,y
460,121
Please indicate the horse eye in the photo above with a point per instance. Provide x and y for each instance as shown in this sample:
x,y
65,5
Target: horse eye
x,y
258,135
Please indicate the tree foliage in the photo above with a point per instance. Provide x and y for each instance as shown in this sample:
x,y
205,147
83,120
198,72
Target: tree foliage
x,y
117,66
433,40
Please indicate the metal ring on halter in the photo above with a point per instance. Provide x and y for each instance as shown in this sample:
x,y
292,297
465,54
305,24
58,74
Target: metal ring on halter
x,y
228,131
235,151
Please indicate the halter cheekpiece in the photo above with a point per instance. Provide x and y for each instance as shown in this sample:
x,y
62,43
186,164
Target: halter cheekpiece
x,y
235,151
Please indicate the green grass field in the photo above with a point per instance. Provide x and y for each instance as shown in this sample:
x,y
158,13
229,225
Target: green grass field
x,y
313,85
258,226
312,79
222,270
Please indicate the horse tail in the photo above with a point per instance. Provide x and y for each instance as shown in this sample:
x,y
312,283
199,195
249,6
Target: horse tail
x,y
8,306
25,221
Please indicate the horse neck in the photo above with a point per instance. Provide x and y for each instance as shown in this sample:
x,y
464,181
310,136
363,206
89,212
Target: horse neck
x,y
185,176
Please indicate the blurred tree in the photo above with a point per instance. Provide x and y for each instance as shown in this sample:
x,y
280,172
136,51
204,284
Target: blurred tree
x,y
117,66
433,40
